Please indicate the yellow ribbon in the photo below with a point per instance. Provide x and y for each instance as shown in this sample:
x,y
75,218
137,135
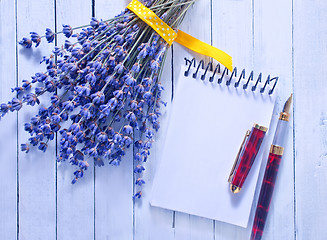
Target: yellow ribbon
x,y
169,35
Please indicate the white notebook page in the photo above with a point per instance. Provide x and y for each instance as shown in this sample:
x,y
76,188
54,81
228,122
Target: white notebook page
x,y
207,124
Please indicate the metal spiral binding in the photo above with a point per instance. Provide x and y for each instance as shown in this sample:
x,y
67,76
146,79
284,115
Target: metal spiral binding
x,y
225,72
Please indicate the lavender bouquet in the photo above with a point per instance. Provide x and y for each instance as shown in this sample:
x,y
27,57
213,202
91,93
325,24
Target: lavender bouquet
x,y
105,83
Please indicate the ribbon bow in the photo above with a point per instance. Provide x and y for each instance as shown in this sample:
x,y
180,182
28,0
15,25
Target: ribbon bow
x,y
169,35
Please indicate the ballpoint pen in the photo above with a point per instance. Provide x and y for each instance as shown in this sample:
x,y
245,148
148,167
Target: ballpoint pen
x,y
268,183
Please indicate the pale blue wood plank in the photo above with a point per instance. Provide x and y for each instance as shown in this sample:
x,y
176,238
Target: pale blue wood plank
x,y
113,185
37,171
152,222
160,221
273,54
198,24
182,226
193,227
75,203
232,32
37,209
310,113
161,225
8,125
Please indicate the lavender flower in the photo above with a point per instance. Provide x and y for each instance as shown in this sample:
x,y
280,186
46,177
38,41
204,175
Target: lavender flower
x,y
43,146
16,104
35,38
49,35
139,181
25,147
137,195
26,42
105,84
67,30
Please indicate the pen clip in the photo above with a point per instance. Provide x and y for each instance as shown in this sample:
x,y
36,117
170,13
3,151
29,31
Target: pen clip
x,y
247,134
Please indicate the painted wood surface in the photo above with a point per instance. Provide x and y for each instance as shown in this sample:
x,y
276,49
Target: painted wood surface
x,y
114,185
309,42
35,173
37,200
73,204
8,130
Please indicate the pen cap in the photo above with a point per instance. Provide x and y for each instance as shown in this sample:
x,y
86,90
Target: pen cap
x,y
246,156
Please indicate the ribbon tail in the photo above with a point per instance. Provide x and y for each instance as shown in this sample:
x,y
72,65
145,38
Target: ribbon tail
x,y
203,48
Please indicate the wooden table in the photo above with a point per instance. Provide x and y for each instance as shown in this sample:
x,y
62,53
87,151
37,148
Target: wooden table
x,y
286,38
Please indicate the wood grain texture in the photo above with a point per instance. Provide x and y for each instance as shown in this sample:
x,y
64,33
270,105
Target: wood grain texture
x,y
8,134
113,185
75,203
36,170
149,221
310,39
189,226
37,200
232,30
273,54
161,220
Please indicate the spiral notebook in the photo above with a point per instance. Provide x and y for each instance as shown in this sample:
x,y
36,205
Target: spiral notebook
x,y
209,116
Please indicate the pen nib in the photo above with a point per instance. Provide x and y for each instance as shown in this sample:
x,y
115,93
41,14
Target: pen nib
x,y
287,105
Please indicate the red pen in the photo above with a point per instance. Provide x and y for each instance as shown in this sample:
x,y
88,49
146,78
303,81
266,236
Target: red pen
x,y
246,156
269,179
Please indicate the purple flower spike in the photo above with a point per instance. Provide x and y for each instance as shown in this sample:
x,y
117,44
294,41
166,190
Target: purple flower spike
x,y
43,146
128,129
67,30
25,147
139,169
27,43
49,35
139,181
103,90
16,104
83,165
98,97
35,38
137,195
94,22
